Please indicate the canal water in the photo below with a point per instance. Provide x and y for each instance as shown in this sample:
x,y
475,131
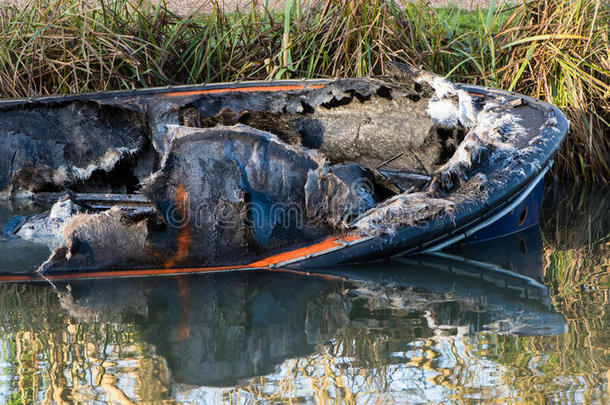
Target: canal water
x,y
523,319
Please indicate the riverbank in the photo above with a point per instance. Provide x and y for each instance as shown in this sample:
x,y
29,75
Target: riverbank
x,y
557,52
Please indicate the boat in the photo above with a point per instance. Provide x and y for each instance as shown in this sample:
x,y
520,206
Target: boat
x,y
295,174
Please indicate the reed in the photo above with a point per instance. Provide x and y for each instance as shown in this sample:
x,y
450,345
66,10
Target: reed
x,y
557,50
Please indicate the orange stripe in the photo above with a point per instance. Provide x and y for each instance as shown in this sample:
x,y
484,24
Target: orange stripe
x,y
326,244
121,273
151,272
183,240
263,264
243,89
351,238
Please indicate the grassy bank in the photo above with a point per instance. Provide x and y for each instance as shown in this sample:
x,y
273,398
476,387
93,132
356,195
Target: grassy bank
x,y
557,50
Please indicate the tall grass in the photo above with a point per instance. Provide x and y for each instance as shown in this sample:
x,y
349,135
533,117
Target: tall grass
x,y
557,50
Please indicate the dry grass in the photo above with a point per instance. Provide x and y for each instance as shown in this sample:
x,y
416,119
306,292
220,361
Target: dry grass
x,y
560,51
557,50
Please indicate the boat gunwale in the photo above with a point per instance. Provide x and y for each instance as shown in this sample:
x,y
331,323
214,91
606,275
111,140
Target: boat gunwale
x,y
203,88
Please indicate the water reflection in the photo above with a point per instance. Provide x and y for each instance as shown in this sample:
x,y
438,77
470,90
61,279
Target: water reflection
x,y
450,327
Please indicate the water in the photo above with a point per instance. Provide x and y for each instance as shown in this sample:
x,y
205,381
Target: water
x,y
425,329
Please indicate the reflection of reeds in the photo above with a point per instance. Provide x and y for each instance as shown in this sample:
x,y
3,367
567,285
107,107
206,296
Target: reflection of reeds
x,y
576,227
556,367
61,361
556,50
574,217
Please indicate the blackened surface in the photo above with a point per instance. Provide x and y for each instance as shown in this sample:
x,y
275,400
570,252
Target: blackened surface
x,y
244,193
47,144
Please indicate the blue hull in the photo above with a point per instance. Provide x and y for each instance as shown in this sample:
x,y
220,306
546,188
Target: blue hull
x,y
524,216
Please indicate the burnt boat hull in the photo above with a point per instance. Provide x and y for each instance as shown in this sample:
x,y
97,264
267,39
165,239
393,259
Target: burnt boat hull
x,y
317,256
509,210
500,213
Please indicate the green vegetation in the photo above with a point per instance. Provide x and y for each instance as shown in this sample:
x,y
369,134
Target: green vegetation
x,y
557,50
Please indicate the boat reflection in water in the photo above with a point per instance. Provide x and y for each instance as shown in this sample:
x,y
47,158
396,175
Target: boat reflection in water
x,y
226,334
